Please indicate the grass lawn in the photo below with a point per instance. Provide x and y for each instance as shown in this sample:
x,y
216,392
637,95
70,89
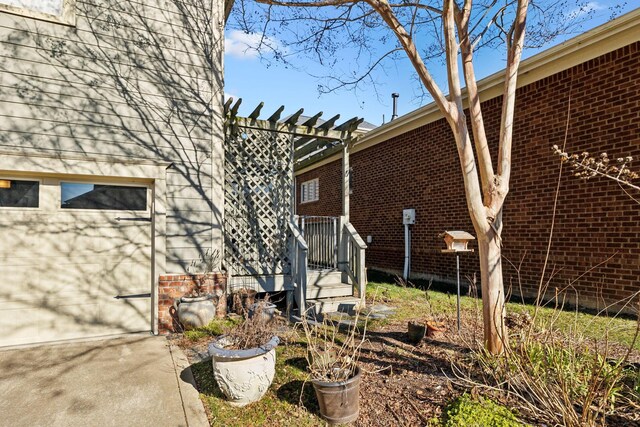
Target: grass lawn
x,y
402,383
412,303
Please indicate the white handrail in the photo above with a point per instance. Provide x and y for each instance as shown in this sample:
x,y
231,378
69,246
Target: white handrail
x,y
355,259
299,250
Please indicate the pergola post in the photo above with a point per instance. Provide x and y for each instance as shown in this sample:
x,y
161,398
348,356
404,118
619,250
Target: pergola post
x,y
345,180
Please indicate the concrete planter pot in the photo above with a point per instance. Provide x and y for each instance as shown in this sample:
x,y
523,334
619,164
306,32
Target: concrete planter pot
x,y
265,310
339,401
244,376
195,312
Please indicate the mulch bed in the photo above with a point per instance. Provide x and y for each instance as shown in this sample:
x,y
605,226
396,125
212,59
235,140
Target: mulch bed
x,y
406,384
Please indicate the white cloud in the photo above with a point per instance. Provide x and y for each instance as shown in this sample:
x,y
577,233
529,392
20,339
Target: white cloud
x,y
228,95
592,6
248,45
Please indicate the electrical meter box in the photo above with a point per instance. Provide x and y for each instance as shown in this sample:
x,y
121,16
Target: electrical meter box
x,y
409,216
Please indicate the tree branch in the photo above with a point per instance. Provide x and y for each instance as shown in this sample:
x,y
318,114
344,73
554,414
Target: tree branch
x,y
515,43
386,13
477,122
459,122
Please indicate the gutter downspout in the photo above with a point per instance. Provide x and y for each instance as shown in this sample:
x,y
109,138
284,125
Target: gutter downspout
x,y
407,252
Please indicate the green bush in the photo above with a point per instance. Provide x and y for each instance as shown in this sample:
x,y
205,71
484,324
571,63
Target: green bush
x,y
466,412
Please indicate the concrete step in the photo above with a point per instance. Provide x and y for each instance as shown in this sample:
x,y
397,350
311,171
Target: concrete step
x,y
329,290
322,277
333,305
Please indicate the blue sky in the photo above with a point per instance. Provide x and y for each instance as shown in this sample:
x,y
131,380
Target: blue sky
x,y
255,80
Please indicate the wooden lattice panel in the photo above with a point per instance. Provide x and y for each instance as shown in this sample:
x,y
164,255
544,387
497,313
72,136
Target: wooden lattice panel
x,y
258,201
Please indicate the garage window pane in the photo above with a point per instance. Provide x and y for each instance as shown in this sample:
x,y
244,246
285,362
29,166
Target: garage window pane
x,y
51,7
77,195
19,194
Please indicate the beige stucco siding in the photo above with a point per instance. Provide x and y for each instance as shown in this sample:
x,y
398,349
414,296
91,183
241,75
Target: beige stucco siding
x,y
131,80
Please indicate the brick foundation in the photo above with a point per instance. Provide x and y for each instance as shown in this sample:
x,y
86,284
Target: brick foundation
x,y
172,287
596,223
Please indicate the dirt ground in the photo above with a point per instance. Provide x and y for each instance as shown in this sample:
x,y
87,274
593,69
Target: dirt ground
x,y
404,384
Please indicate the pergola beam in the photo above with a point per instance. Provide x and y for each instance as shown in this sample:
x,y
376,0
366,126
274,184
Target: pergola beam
x,y
276,116
312,147
330,123
294,117
301,131
319,156
312,120
310,142
256,112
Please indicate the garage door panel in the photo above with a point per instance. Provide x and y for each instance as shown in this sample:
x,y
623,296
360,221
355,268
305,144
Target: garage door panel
x,y
67,273
129,314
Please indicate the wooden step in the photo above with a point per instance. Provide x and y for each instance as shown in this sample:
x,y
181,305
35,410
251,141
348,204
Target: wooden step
x,y
333,305
329,290
322,277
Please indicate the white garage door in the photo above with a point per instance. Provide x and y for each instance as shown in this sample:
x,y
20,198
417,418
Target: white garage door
x,y
75,259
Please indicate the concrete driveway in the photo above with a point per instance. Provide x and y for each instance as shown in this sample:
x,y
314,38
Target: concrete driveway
x,y
132,381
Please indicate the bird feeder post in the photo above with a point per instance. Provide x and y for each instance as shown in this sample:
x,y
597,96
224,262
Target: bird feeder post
x,y
457,241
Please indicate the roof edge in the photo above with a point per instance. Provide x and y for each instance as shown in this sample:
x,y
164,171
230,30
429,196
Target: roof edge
x,y
598,41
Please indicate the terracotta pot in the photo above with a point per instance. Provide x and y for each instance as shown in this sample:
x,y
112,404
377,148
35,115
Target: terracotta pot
x,y
195,312
339,401
435,329
244,376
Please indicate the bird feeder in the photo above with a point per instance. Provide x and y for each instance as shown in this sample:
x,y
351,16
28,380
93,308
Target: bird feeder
x,y
457,241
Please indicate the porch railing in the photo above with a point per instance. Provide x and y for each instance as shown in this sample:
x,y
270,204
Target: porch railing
x,y
354,248
321,235
326,243
299,260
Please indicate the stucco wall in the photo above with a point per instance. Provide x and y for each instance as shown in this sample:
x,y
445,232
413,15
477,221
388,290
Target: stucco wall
x,y
131,80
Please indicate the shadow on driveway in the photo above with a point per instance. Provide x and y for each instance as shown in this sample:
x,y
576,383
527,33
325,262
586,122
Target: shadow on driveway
x,y
128,381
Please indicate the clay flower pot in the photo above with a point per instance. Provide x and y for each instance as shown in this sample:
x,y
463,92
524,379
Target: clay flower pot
x,y
435,329
244,376
416,331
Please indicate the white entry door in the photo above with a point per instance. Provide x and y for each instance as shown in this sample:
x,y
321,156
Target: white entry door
x,y
75,259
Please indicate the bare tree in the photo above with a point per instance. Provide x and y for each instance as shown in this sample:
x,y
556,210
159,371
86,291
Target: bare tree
x,y
450,31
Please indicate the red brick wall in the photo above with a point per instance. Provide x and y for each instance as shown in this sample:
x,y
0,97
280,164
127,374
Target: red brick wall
x,y
595,219
172,287
330,202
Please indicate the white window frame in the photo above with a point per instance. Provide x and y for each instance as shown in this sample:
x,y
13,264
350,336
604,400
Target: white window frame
x,y
59,207
67,17
310,191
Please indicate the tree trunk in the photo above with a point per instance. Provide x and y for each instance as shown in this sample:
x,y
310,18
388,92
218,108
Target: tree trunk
x,y
493,310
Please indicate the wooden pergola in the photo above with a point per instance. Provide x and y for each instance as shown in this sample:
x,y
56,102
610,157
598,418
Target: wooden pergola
x,y
313,139
260,158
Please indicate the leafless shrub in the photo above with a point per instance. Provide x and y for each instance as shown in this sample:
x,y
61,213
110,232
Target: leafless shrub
x,y
333,355
552,370
586,166
253,331
401,282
